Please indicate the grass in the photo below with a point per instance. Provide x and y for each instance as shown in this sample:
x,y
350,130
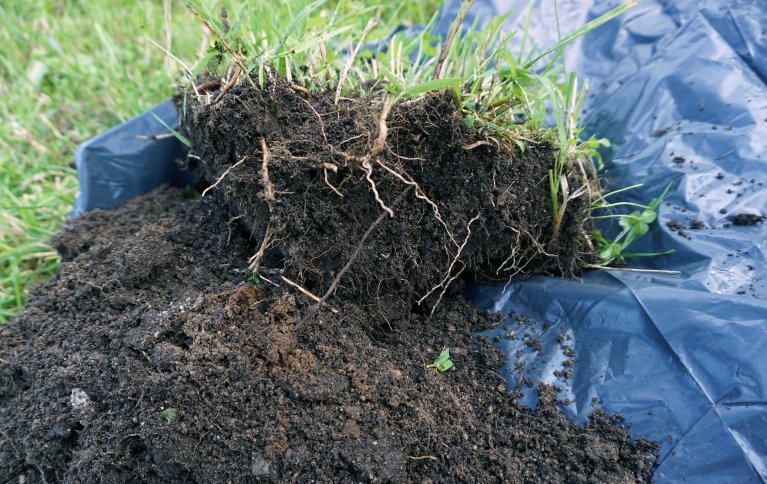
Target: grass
x,y
68,71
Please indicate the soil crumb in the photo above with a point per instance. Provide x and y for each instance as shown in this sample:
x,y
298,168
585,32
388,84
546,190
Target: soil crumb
x,y
677,227
746,219
697,224
150,358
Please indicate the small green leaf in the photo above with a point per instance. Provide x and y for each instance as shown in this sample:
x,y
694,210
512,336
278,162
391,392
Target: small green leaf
x,y
641,228
169,414
648,216
469,120
443,362
610,252
625,223
254,279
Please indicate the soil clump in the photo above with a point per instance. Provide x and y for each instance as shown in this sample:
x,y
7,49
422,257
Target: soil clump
x,y
309,178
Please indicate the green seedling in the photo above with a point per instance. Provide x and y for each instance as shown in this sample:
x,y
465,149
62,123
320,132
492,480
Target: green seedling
x,y
169,414
633,225
255,279
443,362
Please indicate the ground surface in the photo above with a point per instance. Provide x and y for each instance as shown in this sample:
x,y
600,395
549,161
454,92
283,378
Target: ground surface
x,y
148,357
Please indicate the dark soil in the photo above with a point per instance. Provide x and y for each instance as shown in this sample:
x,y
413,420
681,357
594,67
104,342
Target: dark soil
x,y
149,358
481,206
746,219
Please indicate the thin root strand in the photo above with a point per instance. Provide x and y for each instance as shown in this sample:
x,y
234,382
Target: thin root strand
x,y
204,192
448,279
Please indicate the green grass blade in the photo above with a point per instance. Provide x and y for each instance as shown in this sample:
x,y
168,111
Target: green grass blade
x,y
583,30
433,85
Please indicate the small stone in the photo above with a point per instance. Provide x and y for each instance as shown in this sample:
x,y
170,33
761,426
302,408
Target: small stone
x,y
79,399
259,465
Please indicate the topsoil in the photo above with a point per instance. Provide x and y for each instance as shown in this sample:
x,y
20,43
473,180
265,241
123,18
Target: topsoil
x,y
153,355
150,311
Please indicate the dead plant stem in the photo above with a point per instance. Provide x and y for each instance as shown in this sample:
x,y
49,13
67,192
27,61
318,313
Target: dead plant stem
x,y
451,35
350,60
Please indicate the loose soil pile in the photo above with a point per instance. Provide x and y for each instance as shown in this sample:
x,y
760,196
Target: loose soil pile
x,y
150,312
153,356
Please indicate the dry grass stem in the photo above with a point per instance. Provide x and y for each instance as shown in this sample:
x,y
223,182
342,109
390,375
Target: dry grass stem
x,y
345,73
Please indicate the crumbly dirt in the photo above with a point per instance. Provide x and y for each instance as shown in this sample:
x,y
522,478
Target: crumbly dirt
x,y
149,357
746,219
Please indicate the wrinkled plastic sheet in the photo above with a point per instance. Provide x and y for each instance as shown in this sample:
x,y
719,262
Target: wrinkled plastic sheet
x,y
129,160
680,87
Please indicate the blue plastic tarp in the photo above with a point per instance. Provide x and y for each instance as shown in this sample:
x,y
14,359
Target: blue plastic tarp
x,y
129,160
680,88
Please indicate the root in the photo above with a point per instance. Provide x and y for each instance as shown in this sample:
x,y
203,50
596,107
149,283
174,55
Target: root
x,y
319,119
301,89
334,169
233,77
345,269
447,280
479,143
304,291
268,188
224,175
268,195
514,262
255,260
419,194
369,173
383,130
206,86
